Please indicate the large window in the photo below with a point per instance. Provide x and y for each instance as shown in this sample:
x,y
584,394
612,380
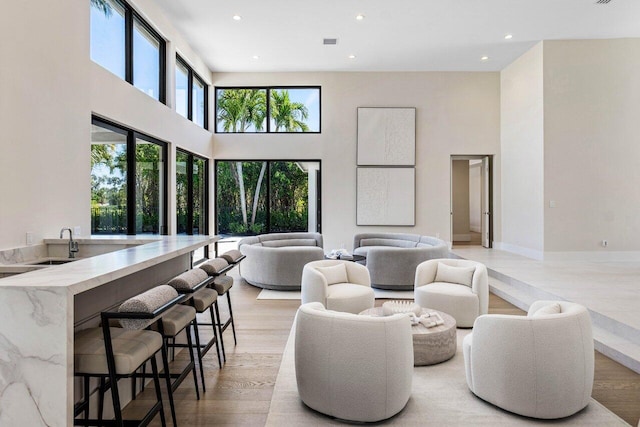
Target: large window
x,y
123,43
268,109
266,196
192,185
191,94
128,181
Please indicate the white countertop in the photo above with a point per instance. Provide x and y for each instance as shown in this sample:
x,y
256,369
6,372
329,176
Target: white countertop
x,y
88,273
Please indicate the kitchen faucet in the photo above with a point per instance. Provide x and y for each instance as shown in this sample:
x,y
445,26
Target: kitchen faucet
x,y
73,246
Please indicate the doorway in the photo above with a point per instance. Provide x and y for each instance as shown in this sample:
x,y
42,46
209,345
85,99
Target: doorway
x,y
471,200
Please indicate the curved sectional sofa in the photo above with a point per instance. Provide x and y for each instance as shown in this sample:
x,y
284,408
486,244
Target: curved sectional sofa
x,y
392,258
275,261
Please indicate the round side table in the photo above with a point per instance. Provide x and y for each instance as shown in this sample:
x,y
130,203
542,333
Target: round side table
x,y
430,345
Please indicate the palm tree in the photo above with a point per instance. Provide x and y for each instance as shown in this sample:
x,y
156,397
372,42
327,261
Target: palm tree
x,y
103,6
238,110
288,116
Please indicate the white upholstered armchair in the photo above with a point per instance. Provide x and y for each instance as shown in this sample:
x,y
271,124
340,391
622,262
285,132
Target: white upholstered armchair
x,y
456,286
338,285
356,368
539,365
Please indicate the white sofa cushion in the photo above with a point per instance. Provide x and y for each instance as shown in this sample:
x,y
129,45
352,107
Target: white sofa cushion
x,y
334,274
553,308
450,274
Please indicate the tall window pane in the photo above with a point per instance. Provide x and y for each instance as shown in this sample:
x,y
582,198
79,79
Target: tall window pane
x,y
295,110
198,102
108,181
107,36
199,195
182,90
241,197
146,61
289,197
241,110
182,191
255,197
149,187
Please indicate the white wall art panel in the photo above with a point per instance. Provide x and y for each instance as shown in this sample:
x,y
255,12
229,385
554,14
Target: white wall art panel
x,y
386,136
386,196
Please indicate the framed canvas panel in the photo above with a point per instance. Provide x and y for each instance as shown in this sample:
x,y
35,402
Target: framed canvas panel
x,y
386,137
385,196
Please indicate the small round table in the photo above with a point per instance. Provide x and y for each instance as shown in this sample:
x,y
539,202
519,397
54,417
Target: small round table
x,y
430,345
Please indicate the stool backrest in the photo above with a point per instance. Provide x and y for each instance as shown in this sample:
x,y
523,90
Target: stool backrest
x,y
148,303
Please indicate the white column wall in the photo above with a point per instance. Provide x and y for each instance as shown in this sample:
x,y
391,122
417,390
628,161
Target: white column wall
x,y
522,148
592,146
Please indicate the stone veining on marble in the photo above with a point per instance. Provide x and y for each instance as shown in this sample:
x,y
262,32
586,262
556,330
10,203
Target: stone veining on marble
x,y
23,254
33,357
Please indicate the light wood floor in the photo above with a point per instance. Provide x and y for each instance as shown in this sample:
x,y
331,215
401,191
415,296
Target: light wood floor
x,y
240,393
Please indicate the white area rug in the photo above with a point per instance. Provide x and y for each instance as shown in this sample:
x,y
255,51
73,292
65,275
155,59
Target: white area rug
x,y
440,397
380,294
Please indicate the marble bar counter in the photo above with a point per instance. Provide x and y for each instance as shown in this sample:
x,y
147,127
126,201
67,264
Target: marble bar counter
x,y
40,309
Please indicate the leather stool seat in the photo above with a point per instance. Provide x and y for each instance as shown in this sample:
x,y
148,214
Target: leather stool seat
x,y
131,348
204,298
178,318
222,284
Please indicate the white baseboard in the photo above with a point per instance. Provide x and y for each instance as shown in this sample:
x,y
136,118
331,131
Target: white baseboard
x,y
520,250
623,256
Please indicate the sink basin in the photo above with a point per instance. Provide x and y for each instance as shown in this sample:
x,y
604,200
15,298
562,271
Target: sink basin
x,y
55,261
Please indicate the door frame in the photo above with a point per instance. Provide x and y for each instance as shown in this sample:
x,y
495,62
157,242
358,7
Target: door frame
x,y
490,191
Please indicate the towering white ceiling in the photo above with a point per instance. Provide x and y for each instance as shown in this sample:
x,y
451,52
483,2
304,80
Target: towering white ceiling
x,y
399,35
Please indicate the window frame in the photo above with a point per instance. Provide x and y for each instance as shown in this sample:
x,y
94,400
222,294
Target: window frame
x,y
190,199
130,17
268,189
132,136
268,89
191,77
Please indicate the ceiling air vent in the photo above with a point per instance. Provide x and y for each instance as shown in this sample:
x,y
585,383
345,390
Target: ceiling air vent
x,y
603,1
330,41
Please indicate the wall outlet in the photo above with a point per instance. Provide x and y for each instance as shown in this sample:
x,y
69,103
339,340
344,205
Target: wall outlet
x,y
76,230
29,238
437,235
552,203
604,243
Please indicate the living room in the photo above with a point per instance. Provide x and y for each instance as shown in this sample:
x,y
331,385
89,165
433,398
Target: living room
x,y
557,117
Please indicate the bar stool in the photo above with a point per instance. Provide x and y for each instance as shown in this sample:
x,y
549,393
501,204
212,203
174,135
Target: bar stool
x,y
194,284
172,322
112,353
217,268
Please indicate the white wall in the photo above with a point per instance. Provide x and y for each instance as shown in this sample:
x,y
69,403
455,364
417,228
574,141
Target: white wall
x,y
457,113
592,144
44,119
49,88
522,150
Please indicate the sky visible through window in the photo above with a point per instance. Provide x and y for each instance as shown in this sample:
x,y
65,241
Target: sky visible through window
x,y
108,48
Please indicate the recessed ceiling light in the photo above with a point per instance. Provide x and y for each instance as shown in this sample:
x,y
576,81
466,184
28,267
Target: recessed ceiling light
x,y
352,56
484,58
237,17
255,57
360,17
508,37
